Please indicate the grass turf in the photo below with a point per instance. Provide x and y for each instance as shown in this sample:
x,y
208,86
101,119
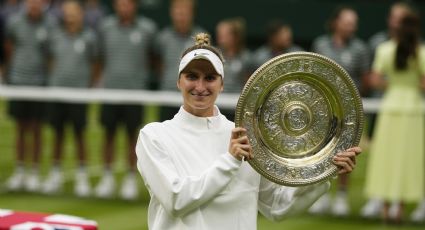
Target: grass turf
x,y
116,214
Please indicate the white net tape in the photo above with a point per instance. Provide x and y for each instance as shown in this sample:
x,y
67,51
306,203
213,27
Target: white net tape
x,y
116,96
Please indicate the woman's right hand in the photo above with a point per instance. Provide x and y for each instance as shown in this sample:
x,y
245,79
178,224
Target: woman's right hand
x,y
239,146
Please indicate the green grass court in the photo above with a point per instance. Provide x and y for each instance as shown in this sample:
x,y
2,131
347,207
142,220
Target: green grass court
x,y
117,214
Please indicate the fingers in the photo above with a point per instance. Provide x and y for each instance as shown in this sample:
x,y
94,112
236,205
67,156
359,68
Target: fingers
x,y
240,150
243,140
351,156
240,147
243,155
344,167
343,171
356,149
346,161
237,132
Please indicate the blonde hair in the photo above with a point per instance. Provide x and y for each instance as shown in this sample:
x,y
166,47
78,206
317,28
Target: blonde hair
x,y
203,41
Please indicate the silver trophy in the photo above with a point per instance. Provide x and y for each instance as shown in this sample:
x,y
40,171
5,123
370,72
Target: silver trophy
x,y
300,110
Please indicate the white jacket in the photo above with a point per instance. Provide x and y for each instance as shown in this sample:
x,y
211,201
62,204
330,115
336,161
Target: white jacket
x,y
194,183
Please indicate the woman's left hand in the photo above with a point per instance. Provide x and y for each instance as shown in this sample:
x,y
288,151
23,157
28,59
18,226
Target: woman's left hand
x,y
346,161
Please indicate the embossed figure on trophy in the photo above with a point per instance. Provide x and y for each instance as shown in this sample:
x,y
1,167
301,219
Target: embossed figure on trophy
x,y
294,147
305,66
298,119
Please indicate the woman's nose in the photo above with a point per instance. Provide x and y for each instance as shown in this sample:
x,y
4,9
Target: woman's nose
x,y
200,85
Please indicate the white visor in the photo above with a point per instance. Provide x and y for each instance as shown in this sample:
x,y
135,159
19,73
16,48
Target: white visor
x,y
202,54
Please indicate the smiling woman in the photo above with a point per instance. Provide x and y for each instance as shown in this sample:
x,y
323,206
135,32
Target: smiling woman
x,y
201,77
200,86
194,164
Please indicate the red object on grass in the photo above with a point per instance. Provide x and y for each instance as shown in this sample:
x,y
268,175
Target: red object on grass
x,y
11,220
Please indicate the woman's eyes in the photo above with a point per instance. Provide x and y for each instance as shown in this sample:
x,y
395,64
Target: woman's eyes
x,y
194,77
191,76
211,77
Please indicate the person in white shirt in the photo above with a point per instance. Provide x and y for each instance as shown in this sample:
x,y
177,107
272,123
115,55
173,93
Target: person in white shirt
x,y
194,165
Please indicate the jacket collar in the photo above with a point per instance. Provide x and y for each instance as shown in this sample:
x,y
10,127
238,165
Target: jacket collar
x,y
188,120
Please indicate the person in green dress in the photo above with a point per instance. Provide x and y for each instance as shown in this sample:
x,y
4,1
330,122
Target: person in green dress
x,y
372,208
395,170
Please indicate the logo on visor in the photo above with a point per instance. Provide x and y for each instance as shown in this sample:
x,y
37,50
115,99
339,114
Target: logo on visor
x,y
203,54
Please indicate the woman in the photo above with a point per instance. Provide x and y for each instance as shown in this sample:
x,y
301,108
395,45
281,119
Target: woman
x,y
395,171
193,164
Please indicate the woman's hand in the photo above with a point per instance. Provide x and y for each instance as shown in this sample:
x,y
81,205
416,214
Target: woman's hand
x,y
239,145
346,161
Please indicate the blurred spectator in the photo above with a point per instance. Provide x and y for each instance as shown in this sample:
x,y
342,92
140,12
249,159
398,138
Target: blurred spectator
x,y
170,44
342,46
279,41
397,12
73,52
55,8
395,171
126,41
10,7
26,36
231,41
94,12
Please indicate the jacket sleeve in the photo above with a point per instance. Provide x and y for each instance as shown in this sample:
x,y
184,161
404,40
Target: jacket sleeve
x,y
180,194
278,202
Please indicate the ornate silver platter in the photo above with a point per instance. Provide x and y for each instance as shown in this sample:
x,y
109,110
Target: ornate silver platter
x,y
300,109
